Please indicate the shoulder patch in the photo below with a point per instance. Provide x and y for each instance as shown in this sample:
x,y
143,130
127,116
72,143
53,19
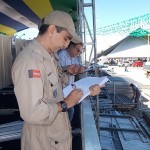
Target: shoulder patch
x,y
37,55
34,73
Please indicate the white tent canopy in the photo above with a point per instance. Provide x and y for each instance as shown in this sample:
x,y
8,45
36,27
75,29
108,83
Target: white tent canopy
x,y
131,47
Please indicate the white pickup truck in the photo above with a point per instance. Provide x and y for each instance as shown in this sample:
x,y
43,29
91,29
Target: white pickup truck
x,y
146,67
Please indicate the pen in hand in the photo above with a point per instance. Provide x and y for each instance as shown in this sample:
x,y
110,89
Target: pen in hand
x,y
73,86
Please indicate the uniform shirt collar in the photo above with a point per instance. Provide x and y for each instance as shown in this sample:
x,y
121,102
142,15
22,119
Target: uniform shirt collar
x,y
42,50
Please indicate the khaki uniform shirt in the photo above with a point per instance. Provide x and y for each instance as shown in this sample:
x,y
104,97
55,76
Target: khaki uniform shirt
x,y
38,89
64,78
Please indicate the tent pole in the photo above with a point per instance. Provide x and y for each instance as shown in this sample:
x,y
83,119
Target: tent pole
x,y
148,49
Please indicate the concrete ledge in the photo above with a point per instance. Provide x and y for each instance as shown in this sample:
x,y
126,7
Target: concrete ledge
x,y
90,140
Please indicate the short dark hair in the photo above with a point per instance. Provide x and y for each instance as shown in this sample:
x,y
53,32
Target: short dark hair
x,y
74,44
71,43
44,28
131,84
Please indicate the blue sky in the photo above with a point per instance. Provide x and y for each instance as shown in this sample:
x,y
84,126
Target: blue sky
x,y
109,12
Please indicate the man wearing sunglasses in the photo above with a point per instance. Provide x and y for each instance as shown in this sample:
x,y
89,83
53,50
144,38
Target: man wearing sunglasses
x,y
69,60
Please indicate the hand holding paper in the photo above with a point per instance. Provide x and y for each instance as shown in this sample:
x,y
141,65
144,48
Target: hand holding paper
x,y
73,86
73,97
73,69
94,90
84,84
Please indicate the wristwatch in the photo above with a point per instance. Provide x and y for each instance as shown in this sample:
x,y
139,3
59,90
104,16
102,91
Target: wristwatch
x,y
63,106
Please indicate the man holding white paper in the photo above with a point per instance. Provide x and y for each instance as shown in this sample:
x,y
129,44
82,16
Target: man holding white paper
x,y
70,63
89,86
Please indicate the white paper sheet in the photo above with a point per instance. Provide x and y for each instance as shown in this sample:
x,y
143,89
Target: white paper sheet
x,y
84,85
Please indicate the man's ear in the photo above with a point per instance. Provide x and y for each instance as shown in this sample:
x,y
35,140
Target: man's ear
x,y
51,29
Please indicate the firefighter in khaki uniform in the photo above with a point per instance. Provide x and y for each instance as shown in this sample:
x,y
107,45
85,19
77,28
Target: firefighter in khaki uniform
x,y
38,88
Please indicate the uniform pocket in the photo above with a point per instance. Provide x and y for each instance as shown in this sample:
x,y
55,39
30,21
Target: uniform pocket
x,y
53,82
51,72
53,78
59,137
61,142
60,126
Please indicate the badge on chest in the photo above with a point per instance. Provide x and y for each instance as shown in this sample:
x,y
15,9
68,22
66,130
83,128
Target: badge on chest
x,y
55,93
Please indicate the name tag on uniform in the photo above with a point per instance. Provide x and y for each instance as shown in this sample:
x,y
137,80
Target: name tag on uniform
x,y
34,73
